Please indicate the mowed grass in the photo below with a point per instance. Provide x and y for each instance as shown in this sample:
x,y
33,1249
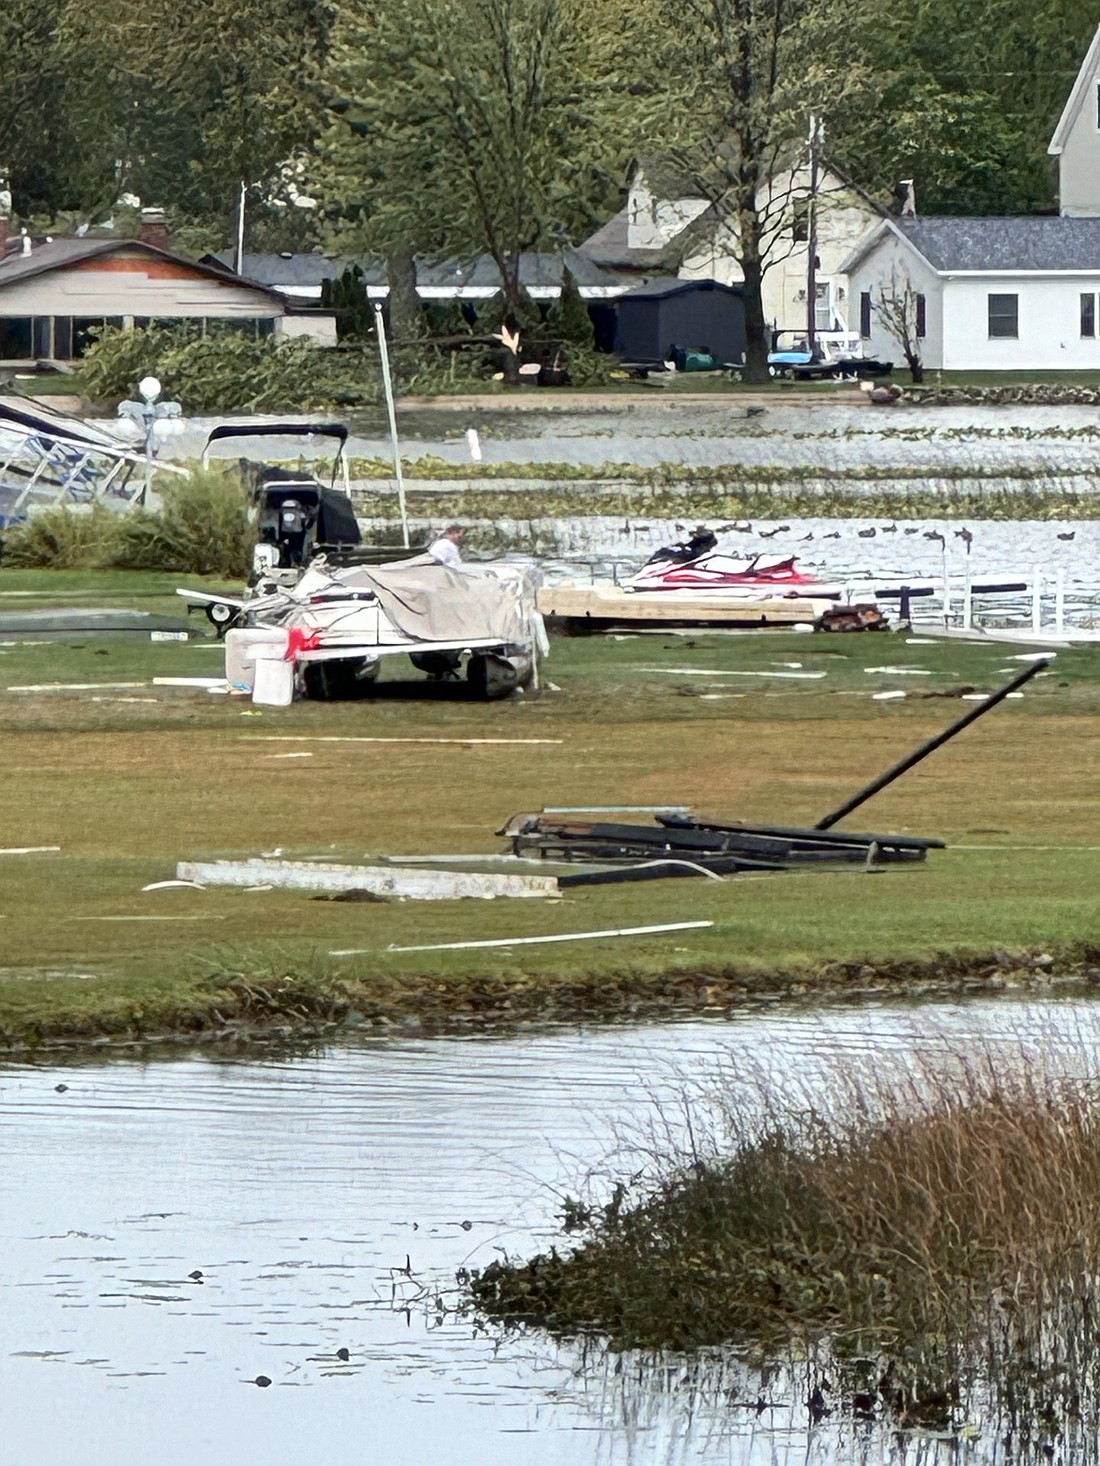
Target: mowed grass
x,y
128,788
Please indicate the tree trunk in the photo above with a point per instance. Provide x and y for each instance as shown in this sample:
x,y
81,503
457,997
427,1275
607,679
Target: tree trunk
x,y
756,333
916,368
406,314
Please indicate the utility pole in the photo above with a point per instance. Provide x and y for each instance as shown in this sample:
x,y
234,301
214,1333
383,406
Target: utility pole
x,y
811,238
238,253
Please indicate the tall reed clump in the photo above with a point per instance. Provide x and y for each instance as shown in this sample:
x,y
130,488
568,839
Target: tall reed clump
x,y
204,526
951,1227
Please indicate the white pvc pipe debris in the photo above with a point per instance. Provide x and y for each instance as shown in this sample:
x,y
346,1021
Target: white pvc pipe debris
x,y
341,738
622,931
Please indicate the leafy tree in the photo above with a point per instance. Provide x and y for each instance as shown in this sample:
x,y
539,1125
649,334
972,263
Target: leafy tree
x,y
968,99
462,127
192,102
743,78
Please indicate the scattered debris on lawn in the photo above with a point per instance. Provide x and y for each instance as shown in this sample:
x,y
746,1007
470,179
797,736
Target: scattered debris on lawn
x,y
30,850
681,844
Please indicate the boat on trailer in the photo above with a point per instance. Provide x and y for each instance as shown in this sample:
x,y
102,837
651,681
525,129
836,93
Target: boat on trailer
x,y
323,611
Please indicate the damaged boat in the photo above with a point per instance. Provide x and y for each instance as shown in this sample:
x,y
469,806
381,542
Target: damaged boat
x,y
328,635
323,611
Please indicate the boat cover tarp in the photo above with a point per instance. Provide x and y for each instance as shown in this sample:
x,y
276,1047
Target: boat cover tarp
x,y
428,601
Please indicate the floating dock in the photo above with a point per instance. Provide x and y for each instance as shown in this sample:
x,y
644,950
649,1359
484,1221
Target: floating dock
x,y
608,608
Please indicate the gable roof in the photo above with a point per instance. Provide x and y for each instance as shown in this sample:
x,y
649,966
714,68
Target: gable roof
x,y
60,254
994,245
1076,99
610,248
662,288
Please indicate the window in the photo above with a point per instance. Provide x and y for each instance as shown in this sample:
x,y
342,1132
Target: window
x,y
1098,106
1088,314
15,338
922,317
1004,317
800,221
865,314
62,338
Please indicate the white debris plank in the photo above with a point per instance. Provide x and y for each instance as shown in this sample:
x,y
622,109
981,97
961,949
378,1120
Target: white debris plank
x,y
419,885
30,850
349,738
78,687
212,684
622,931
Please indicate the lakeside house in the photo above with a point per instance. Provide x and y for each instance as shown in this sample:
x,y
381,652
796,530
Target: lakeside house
x,y
998,294
668,228
53,294
986,294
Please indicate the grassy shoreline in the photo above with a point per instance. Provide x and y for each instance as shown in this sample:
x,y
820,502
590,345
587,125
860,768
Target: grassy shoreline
x,y
267,1002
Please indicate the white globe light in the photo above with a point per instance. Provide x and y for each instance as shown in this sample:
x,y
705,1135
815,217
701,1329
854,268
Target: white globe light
x,y
149,388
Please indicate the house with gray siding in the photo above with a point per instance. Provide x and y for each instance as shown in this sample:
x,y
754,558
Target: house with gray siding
x,y
991,294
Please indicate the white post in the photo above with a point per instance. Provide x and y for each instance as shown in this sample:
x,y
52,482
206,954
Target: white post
x,y
1037,599
1060,601
383,352
967,598
946,589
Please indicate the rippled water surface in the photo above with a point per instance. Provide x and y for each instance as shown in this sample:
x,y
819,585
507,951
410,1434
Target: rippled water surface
x,y
317,1197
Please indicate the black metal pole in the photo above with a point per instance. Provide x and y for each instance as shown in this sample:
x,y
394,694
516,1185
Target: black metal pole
x,y
929,746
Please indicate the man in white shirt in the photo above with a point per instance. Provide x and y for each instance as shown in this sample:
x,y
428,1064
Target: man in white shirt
x,y
446,548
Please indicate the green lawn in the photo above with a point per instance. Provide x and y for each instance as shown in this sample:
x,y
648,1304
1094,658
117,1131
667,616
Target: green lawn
x,y
129,780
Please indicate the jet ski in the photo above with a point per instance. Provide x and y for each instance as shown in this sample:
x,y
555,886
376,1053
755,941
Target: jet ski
x,y
697,564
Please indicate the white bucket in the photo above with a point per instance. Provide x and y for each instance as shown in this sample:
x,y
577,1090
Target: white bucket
x,y
245,646
274,682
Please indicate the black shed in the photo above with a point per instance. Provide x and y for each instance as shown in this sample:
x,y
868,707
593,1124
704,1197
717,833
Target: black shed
x,y
654,318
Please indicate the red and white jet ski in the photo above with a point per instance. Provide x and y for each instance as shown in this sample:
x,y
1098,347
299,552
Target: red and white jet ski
x,y
697,565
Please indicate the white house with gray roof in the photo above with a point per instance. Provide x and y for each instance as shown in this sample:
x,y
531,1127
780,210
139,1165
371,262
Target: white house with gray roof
x,y
990,294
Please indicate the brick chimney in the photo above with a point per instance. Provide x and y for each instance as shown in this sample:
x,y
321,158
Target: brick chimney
x,y
153,229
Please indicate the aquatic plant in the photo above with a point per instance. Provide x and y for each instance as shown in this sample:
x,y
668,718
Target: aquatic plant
x,y
944,1225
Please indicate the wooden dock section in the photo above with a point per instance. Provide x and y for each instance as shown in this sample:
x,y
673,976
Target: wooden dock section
x,y
608,607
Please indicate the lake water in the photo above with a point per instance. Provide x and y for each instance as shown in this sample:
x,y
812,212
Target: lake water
x,y
326,1200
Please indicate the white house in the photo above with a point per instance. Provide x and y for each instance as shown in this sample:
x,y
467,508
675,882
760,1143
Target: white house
x,y
1076,140
988,294
666,227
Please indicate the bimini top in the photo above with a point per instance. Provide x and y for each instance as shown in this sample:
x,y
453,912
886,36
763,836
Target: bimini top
x,y
279,430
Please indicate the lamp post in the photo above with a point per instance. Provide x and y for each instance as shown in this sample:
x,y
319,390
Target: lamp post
x,y
146,414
